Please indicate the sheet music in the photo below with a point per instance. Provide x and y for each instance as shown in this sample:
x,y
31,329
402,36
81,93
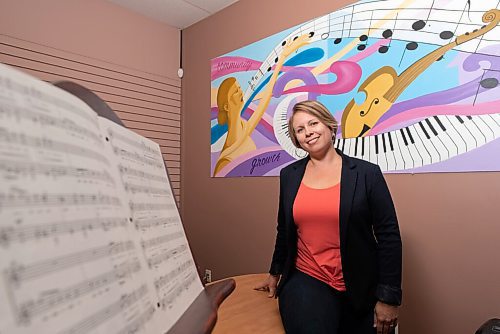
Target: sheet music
x,y
168,263
85,247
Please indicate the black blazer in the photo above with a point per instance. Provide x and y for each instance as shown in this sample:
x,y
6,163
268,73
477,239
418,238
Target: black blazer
x,y
370,243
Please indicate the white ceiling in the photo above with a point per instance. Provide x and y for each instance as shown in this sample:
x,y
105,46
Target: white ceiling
x,y
176,13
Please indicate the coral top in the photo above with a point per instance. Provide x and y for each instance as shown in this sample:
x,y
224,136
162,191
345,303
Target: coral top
x,y
316,214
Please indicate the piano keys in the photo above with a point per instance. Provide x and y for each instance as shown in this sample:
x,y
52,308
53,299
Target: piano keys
x,y
429,141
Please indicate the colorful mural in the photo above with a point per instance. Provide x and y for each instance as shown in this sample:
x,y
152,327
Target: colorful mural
x,y
413,83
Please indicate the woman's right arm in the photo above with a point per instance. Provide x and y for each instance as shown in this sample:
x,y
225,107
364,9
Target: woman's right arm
x,y
280,249
280,246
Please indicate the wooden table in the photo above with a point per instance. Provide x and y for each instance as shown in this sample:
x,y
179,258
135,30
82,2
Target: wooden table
x,y
249,311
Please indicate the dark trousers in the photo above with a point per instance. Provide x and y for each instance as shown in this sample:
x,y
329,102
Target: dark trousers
x,y
309,306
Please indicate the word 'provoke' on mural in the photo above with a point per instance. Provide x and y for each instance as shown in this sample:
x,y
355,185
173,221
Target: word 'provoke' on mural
x,y
414,84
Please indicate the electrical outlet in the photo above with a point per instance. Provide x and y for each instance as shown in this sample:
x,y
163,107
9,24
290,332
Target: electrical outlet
x,y
208,276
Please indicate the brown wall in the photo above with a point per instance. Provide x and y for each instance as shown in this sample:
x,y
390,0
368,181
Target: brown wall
x,y
129,60
449,222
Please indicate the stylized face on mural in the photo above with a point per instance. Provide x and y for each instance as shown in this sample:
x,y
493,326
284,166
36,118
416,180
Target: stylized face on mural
x,y
235,98
312,135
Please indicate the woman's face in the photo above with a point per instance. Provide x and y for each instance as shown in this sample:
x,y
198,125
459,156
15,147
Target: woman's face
x,y
312,135
235,97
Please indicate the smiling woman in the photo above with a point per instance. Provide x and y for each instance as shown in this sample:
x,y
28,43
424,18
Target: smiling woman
x,y
338,249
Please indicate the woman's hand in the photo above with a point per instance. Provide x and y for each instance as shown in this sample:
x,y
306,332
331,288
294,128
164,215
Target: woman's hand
x,y
386,317
270,284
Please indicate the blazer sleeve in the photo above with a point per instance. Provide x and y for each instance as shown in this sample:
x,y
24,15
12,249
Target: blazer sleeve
x,y
280,247
389,246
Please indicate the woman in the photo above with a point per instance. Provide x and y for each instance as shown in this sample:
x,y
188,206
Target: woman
x,y
230,104
338,249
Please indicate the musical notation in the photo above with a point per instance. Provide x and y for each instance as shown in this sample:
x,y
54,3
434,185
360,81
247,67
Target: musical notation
x,y
80,253
161,239
136,207
22,198
138,145
46,119
46,302
162,257
145,223
138,322
17,139
37,99
175,292
128,171
26,233
108,312
18,273
138,188
387,19
142,159
11,168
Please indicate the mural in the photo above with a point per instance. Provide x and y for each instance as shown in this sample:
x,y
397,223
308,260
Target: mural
x,y
413,83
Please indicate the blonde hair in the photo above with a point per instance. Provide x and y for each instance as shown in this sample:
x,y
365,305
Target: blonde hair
x,y
316,109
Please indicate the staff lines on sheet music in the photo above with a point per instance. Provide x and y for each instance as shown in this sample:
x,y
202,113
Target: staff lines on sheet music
x,y
139,145
108,312
50,145
326,22
27,91
151,206
142,224
33,168
17,273
136,157
396,30
177,290
163,280
47,120
25,199
135,325
32,308
24,233
139,173
161,239
137,188
166,255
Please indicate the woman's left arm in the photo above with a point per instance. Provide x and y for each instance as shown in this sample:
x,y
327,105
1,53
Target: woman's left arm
x,y
389,247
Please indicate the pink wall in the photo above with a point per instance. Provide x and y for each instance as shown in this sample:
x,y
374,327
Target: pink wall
x,y
450,222
130,61
97,29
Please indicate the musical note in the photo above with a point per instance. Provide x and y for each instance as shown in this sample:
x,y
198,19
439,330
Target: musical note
x,y
384,86
489,83
161,239
100,316
47,302
17,274
155,260
486,83
139,188
144,223
136,207
24,233
364,37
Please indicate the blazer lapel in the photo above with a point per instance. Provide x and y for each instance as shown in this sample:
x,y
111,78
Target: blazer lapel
x,y
349,179
293,183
